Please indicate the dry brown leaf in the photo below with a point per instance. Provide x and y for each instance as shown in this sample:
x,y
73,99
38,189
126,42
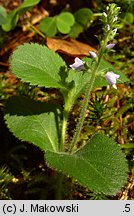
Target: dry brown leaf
x,y
70,47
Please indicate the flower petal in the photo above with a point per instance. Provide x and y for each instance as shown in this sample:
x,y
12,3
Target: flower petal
x,y
114,86
78,64
110,46
93,54
111,78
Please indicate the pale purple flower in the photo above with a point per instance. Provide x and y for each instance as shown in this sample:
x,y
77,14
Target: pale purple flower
x,y
111,78
78,64
93,54
110,46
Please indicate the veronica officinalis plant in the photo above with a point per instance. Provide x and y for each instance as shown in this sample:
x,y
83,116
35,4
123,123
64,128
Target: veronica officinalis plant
x,y
99,165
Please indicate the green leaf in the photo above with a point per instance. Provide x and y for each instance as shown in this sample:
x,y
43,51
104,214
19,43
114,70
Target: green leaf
x,y
129,18
80,80
64,22
48,26
34,121
13,16
99,165
3,15
76,29
12,19
38,65
83,16
27,4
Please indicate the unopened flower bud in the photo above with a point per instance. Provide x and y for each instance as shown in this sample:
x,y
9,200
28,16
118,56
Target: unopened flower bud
x,y
108,27
104,13
115,19
93,54
78,64
110,46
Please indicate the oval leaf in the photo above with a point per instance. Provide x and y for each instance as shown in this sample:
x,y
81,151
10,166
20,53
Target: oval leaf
x,y
27,4
83,16
99,165
13,16
64,22
80,79
48,26
76,29
12,19
3,15
35,122
129,18
38,65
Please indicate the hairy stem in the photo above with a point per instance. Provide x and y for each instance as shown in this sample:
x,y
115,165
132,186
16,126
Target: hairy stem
x,y
68,98
83,111
63,130
85,103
